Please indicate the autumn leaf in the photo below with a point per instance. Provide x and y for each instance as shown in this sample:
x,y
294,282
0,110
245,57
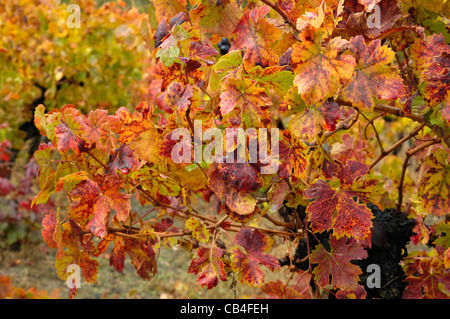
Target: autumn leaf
x,y
49,224
227,66
374,76
215,16
92,203
232,182
427,278
198,228
209,266
122,160
46,123
278,290
69,131
334,266
435,186
321,72
67,140
256,246
372,22
155,183
275,78
357,293
69,181
334,206
351,148
257,35
251,100
167,9
299,289
117,258
292,153
276,196
95,129
74,254
241,203
432,65
176,97
331,113
140,134
242,176
142,257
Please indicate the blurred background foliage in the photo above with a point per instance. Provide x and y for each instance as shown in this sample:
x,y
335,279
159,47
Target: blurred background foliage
x,y
102,65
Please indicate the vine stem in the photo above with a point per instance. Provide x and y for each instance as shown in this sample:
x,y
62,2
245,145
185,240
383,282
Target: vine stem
x,y
282,14
409,154
396,145
344,125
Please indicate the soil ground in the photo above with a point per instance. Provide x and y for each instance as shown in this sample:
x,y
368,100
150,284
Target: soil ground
x,y
34,266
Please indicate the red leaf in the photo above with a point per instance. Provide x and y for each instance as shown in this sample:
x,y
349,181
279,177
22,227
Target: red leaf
x,y
256,244
427,278
331,113
117,259
336,263
208,266
122,160
374,77
335,208
67,140
49,225
256,34
142,257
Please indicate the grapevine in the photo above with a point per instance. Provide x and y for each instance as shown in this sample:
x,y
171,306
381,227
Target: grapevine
x,y
354,119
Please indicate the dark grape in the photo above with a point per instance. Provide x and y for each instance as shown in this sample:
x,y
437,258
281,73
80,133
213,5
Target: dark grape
x,y
391,233
224,45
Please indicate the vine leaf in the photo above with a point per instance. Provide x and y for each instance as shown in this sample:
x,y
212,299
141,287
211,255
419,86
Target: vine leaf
x,y
209,267
215,16
122,160
357,293
432,65
427,278
49,223
336,263
276,196
250,99
70,251
278,290
117,258
256,245
198,228
435,186
139,132
293,159
142,257
320,72
233,182
92,203
374,76
257,35
334,207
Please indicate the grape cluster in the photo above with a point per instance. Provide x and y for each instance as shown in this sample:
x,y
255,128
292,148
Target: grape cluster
x,y
391,233
224,45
